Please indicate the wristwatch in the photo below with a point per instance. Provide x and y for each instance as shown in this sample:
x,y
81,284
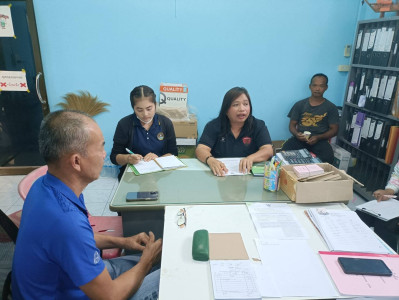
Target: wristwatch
x,y
206,159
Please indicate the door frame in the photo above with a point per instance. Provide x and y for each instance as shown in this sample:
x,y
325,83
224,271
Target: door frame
x,y
31,19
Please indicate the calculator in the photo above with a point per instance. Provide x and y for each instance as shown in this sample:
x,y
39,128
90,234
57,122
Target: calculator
x,y
294,157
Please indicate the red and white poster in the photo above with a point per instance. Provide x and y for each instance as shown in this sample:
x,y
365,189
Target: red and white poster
x,y
13,81
6,27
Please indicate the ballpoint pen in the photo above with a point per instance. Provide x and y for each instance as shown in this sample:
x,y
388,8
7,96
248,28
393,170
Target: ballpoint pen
x,y
129,151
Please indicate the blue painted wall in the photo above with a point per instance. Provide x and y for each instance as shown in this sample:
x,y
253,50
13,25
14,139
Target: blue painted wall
x,y
270,47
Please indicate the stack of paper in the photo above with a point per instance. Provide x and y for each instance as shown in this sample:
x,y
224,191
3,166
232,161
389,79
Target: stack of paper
x,y
307,170
301,171
345,231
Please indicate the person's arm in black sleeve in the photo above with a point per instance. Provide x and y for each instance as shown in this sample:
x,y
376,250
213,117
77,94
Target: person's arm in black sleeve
x,y
170,138
118,155
121,137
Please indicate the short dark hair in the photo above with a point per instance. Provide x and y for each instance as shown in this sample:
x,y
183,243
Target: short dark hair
x,y
228,99
319,75
63,132
140,92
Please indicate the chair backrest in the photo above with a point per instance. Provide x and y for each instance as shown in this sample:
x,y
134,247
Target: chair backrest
x,y
8,230
26,182
8,238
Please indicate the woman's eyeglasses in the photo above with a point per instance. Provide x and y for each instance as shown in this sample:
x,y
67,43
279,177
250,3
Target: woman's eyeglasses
x,y
181,218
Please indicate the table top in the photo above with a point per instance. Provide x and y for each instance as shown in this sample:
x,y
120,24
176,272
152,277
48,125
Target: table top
x,y
194,184
184,278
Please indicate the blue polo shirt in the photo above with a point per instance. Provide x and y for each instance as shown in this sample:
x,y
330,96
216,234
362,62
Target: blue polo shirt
x,y
148,141
55,251
248,142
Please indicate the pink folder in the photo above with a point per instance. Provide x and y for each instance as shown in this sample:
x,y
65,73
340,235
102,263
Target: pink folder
x,y
362,285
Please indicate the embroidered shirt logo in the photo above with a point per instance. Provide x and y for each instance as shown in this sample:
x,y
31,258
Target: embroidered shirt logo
x,y
160,136
246,140
96,257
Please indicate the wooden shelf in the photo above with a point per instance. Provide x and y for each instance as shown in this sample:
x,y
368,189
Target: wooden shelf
x,y
382,8
380,160
373,112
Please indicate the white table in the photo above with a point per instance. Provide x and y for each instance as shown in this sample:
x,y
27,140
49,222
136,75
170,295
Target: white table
x,y
182,277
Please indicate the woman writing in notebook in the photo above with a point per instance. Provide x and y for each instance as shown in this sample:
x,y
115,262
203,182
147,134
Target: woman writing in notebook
x,y
234,133
145,133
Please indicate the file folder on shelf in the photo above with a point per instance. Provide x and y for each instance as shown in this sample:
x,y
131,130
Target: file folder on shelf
x,y
392,142
371,100
357,128
384,139
373,53
365,42
386,51
394,47
358,48
389,92
395,103
370,134
381,93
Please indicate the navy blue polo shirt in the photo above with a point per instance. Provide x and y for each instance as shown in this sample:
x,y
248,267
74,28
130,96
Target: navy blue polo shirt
x,y
55,251
148,141
248,142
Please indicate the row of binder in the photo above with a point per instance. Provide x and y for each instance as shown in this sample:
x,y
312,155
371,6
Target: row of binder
x,y
372,173
377,44
370,133
375,90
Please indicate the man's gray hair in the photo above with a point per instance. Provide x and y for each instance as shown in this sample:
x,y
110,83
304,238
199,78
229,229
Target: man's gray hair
x,y
63,132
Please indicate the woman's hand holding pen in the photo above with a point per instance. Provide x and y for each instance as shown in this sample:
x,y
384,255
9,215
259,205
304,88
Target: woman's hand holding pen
x,y
133,158
383,194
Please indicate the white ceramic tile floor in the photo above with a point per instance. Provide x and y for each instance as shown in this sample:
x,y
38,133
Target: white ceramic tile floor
x,y
97,195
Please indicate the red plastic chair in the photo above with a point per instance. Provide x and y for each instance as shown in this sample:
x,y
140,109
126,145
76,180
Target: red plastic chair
x,y
108,225
26,182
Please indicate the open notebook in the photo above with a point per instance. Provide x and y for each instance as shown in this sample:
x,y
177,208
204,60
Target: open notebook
x,y
159,164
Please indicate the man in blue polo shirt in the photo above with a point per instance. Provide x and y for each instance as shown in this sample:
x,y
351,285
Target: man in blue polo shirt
x,y
57,254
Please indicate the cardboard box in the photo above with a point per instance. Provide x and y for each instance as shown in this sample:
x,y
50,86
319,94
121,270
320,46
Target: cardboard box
x,y
186,147
341,158
316,191
186,129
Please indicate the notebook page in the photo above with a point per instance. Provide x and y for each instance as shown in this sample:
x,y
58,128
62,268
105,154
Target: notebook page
x,y
169,162
144,167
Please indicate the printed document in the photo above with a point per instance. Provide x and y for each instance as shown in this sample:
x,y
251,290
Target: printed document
x,y
276,221
233,165
343,230
234,279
